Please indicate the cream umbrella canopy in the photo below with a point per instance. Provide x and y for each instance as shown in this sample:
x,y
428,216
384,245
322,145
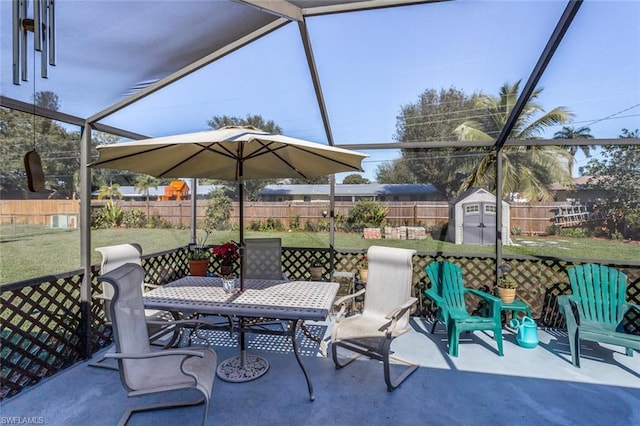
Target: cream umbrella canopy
x,y
229,153
232,153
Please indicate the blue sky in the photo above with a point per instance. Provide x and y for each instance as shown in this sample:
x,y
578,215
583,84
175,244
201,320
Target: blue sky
x,y
372,63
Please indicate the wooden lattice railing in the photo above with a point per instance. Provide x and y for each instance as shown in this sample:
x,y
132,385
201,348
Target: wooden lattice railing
x,y
44,330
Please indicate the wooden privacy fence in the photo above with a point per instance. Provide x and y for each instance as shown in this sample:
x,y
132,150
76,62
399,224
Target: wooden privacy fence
x,y
40,212
532,219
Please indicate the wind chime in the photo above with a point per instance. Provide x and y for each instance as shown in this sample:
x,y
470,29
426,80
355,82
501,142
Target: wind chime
x,y
42,25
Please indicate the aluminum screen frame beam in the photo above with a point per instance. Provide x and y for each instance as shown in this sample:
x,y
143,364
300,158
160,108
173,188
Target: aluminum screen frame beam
x,y
545,57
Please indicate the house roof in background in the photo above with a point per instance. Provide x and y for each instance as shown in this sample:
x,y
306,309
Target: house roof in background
x,y
129,191
363,190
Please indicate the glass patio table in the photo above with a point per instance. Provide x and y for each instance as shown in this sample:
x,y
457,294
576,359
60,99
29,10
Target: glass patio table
x,y
291,301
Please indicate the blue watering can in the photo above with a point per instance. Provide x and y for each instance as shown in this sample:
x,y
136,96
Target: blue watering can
x,y
527,332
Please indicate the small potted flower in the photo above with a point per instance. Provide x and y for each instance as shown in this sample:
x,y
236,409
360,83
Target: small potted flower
x,y
198,256
507,289
227,254
363,268
316,270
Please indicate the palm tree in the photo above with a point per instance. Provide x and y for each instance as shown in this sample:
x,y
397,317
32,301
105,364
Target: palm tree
x,y
143,184
528,170
109,192
570,132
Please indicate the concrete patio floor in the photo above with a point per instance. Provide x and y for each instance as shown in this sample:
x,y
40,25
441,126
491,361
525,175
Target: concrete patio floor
x,y
526,386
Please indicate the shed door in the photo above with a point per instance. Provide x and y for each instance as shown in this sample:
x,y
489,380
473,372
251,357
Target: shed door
x,y
479,223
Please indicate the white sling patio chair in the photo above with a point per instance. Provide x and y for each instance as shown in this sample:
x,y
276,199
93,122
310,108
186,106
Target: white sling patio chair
x,y
159,323
385,316
143,371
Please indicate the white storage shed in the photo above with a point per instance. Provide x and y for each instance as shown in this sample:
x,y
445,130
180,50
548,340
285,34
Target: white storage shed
x,y
472,218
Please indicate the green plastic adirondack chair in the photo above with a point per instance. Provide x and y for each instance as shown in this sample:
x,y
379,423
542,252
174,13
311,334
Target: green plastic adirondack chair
x,y
599,300
448,292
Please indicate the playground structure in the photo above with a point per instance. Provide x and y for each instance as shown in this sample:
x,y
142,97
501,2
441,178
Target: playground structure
x,y
177,190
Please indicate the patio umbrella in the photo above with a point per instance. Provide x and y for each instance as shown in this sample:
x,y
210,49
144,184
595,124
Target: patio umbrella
x,y
232,153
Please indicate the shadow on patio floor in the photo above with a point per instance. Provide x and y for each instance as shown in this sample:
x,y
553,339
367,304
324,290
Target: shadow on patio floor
x,y
526,386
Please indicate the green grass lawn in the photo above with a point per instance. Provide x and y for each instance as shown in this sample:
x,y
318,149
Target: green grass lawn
x,y
28,252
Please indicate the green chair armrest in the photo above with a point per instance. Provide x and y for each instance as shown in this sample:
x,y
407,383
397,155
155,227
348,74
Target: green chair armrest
x,y
564,303
495,303
484,295
431,294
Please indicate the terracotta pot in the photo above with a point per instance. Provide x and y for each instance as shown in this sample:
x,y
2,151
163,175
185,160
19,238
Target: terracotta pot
x,y
364,275
198,268
316,273
507,295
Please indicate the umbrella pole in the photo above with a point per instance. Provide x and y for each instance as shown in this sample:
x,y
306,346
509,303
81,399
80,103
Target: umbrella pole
x,y
245,367
240,221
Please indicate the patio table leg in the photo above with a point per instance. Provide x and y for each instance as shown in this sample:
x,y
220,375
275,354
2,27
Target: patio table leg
x,y
293,326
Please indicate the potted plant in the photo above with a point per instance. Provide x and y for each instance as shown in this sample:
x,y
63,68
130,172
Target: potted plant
x,y
316,270
363,268
507,289
227,254
199,256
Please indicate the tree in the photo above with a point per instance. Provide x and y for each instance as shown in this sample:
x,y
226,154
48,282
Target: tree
x,y
218,210
432,118
617,173
355,178
527,170
570,132
320,180
256,121
143,184
59,149
110,191
104,176
396,171
251,187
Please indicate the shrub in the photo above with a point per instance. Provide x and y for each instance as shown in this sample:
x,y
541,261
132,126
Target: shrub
x,y
516,230
366,214
295,222
574,232
134,218
553,230
113,214
218,211
269,225
310,226
438,231
108,216
98,220
632,221
273,225
159,222
340,221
